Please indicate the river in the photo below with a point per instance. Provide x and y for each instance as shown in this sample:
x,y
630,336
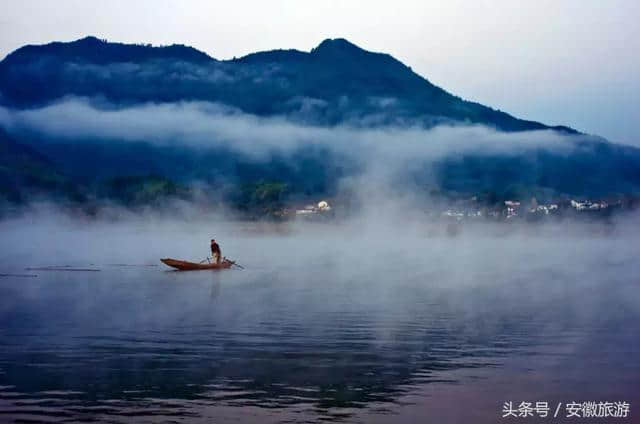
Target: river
x,y
356,323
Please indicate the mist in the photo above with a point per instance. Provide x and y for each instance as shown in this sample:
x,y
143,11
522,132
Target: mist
x,y
484,274
373,309
390,228
359,157
389,243
207,125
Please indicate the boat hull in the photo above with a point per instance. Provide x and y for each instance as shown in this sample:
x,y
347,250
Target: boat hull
x,y
192,266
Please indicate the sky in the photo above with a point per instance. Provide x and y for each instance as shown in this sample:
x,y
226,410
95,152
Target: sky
x,y
569,62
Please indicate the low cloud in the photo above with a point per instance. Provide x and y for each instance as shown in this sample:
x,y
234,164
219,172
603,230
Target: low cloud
x,y
209,125
382,161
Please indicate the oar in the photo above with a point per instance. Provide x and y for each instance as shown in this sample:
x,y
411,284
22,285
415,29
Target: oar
x,y
234,263
204,260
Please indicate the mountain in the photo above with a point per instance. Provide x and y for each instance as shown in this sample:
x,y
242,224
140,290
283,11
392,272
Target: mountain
x,y
25,173
336,82
335,86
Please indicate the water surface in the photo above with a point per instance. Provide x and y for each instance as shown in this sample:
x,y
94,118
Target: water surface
x,y
324,323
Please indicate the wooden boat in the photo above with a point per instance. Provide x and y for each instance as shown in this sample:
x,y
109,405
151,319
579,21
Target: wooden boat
x,y
191,266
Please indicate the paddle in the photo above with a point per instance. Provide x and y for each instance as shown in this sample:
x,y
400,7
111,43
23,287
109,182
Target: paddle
x,y
234,263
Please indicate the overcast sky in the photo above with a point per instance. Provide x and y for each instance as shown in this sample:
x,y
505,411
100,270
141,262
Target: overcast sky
x,y
571,62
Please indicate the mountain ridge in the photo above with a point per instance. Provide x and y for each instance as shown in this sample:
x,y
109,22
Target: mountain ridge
x,y
94,48
275,80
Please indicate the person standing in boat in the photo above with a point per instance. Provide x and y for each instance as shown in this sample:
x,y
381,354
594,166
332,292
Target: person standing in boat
x,y
215,251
